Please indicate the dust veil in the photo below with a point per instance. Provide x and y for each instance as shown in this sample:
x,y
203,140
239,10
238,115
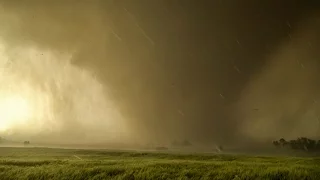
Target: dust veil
x,y
97,78
282,99
66,103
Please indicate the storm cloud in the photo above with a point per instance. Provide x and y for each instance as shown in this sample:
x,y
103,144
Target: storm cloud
x,y
208,71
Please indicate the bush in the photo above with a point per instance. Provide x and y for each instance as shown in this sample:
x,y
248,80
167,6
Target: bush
x,y
26,142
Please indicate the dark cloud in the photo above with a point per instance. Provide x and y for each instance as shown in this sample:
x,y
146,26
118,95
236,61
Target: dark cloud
x,y
175,69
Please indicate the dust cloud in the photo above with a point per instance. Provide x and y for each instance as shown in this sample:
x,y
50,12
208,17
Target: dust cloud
x,y
69,104
155,72
285,93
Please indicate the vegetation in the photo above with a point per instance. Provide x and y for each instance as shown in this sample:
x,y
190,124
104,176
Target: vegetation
x,y
45,163
26,143
302,143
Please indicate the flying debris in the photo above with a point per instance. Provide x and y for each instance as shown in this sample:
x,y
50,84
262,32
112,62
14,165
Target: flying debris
x,y
237,69
238,42
288,24
139,27
115,34
180,112
218,148
256,109
77,157
302,66
222,96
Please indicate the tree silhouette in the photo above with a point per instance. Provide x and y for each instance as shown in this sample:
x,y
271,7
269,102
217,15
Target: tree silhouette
x,y
301,143
26,142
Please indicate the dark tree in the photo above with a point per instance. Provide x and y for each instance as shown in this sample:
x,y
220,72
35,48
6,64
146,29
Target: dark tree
x,y
276,143
283,142
26,142
301,143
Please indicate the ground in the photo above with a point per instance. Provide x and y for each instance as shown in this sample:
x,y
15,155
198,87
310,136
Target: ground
x,y
47,163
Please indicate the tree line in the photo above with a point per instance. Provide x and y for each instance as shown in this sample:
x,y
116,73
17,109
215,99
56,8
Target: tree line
x,y
301,143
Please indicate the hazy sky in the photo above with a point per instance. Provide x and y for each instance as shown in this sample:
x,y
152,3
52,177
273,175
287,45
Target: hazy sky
x,y
208,71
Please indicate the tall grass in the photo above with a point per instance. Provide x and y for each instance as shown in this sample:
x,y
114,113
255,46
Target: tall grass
x,y
37,163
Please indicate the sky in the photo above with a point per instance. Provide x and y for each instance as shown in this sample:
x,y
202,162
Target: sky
x,y
141,71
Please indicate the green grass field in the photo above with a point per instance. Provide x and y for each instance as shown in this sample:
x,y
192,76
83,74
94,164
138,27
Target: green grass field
x,y
46,163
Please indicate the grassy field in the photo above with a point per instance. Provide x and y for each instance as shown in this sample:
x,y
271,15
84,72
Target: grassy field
x,y
46,163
